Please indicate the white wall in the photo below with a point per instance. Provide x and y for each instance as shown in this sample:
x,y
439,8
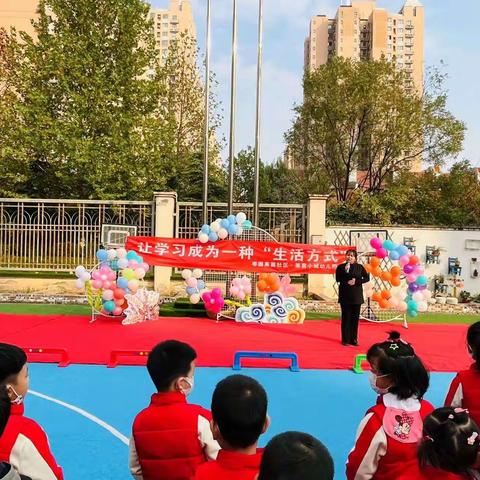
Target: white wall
x,y
451,242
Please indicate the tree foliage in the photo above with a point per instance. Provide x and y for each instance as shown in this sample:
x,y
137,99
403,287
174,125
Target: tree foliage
x,y
365,116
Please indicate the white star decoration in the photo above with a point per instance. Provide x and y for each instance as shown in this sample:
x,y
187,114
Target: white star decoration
x,y
393,346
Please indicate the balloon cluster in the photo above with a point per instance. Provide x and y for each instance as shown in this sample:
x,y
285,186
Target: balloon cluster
x,y
268,282
415,298
213,300
193,284
241,287
119,272
223,227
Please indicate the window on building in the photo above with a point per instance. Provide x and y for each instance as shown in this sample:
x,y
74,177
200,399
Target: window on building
x,y
165,15
400,47
164,43
165,25
164,34
400,23
174,18
400,30
389,29
389,20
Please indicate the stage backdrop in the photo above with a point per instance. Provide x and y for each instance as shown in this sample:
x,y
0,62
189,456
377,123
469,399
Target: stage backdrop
x,y
238,255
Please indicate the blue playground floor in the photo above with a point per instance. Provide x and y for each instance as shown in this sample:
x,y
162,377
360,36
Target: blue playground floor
x,y
90,440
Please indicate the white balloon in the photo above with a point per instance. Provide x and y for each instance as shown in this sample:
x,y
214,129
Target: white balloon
x,y
85,276
422,306
215,226
197,273
186,273
121,253
418,296
241,217
427,294
79,283
194,298
111,253
203,237
79,270
402,306
222,233
239,230
394,302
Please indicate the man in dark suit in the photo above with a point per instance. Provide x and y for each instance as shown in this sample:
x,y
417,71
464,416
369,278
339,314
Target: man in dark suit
x,y
350,276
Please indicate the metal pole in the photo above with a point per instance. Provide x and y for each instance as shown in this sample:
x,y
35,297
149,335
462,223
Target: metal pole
x,y
233,105
207,112
257,117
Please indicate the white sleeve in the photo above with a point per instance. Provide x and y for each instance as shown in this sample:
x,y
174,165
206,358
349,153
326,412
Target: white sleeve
x,y
205,435
133,462
28,461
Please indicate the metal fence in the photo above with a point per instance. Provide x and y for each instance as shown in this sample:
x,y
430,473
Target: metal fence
x,y
287,223
61,234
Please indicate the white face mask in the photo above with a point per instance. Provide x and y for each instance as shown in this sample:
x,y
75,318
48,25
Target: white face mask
x,y
373,383
19,398
191,382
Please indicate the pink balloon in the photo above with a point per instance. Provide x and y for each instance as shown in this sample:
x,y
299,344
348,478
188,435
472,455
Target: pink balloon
x,y
96,275
402,306
234,290
381,253
145,266
119,302
217,292
133,264
97,284
107,295
139,273
206,296
133,285
411,277
117,310
103,277
111,275
403,260
419,269
376,243
241,295
191,282
107,284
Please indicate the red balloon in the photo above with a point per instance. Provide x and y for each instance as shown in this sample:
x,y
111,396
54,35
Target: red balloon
x,y
413,260
118,293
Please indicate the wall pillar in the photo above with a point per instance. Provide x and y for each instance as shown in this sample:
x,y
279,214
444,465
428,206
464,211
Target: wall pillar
x,y
164,226
316,234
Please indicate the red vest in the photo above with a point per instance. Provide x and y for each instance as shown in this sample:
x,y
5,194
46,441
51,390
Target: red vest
x,y
470,380
167,437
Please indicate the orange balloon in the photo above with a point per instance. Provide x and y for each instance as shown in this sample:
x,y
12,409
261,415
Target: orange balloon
x,y
386,276
374,262
386,294
262,285
383,303
413,260
368,267
377,271
263,276
376,297
396,271
395,281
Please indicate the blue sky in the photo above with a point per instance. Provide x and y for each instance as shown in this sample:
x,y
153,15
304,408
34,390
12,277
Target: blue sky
x,y
452,35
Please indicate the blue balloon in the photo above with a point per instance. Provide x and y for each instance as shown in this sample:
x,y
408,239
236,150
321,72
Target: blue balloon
x,y
109,306
388,245
412,313
247,225
212,236
131,255
224,223
102,255
402,250
205,229
122,282
191,290
232,229
232,219
139,259
200,284
412,305
394,255
421,280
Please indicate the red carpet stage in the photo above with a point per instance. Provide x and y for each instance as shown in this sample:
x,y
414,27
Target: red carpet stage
x,y
442,347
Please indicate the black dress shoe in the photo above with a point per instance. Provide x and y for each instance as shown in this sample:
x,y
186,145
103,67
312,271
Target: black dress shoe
x,y
345,344
354,343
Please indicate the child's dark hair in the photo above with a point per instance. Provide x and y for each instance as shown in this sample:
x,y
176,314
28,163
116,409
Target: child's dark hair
x,y
296,455
12,360
353,252
239,408
169,360
5,406
473,340
450,440
397,358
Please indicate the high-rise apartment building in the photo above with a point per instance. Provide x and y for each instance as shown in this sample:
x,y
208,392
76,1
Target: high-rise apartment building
x,y
169,23
361,30
18,14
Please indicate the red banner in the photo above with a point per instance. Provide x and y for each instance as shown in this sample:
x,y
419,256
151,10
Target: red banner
x,y
238,255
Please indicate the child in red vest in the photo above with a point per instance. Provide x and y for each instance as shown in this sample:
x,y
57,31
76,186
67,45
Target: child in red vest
x,y
450,446
386,444
23,444
294,456
464,390
239,411
171,438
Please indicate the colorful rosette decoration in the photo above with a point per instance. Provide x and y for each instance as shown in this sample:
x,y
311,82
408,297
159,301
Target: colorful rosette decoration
x,y
118,273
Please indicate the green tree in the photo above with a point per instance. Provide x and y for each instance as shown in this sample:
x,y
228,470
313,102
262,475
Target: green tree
x,y
366,116
84,103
